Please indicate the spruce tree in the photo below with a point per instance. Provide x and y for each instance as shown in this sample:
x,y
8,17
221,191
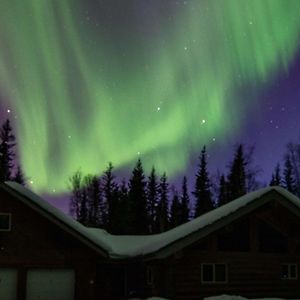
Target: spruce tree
x,y
123,210
7,154
185,202
289,180
276,177
91,185
162,220
152,199
222,194
175,214
76,194
108,188
138,218
237,175
202,190
19,176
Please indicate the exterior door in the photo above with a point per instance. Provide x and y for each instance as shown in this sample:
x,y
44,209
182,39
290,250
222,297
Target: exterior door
x,y
8,284
50,284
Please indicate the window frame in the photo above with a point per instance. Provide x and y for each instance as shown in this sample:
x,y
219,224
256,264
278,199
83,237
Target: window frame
x,y
9,222
214,273
289,265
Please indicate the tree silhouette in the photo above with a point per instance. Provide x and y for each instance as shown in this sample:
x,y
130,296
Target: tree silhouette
x,y
138,218
162,220
237,175
202,190
7,154
185,202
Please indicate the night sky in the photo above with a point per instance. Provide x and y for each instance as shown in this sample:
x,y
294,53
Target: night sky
x,y
88,82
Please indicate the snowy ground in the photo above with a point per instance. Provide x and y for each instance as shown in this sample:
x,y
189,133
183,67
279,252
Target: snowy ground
x,y
229,297
222,297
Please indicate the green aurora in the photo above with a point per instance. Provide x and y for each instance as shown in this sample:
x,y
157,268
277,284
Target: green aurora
x,y
84,95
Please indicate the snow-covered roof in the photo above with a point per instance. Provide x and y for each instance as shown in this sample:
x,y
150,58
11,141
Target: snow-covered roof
x,y
121,247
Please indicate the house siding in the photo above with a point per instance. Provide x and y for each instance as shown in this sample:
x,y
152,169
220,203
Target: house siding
x,y
35,242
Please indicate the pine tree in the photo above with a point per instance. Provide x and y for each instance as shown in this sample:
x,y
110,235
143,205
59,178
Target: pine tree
x,y
6,151
293,151
19,176
108,188
138,218
175,215
152,199
289,180
222,194
276,177
237,175
76,185
162,220
123,209
185,202
91,185
115,214
202,190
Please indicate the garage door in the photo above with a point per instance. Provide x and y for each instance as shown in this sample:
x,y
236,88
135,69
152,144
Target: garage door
x,y
8,284
44,284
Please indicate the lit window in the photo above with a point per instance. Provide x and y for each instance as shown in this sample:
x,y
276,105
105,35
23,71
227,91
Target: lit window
x,y
214,273
289,271
5,221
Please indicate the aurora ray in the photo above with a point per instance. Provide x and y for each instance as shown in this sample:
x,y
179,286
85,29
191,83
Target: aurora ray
x,y
88,92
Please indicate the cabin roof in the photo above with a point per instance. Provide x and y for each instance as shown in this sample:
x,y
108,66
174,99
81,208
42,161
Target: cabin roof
x,y
157,245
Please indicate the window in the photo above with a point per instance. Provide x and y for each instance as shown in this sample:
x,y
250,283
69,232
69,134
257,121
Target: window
x,y
289,271
214,273
5,221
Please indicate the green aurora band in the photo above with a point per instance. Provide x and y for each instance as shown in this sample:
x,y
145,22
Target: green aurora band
x,y
84,97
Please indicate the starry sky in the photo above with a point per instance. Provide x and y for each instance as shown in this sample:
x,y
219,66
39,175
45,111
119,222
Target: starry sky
x,y
89,82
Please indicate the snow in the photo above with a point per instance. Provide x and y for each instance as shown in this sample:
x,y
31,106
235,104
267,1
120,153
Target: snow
x,y
152,298
120,247
231,297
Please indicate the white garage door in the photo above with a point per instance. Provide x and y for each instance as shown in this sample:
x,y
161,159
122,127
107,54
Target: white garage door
x,y
8,284
50,284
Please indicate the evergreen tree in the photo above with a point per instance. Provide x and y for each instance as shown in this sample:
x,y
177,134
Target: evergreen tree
x,y
115,212
7,154
289,180
162,220
108,187
293,151
123,211
276,177
222,194
185,202
237,175
175,216
19,176
152,199
93,200
138,218
76,194
202,190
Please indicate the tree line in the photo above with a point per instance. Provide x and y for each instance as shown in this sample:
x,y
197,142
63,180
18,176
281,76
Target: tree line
x,y
148,205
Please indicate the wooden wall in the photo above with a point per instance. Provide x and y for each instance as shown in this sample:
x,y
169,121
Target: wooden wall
x,y
251,273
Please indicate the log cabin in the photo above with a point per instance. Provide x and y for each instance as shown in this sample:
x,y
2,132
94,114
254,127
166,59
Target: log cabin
x,y
248,247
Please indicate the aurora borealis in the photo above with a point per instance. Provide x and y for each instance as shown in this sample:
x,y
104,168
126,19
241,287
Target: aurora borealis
x,y
88,82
